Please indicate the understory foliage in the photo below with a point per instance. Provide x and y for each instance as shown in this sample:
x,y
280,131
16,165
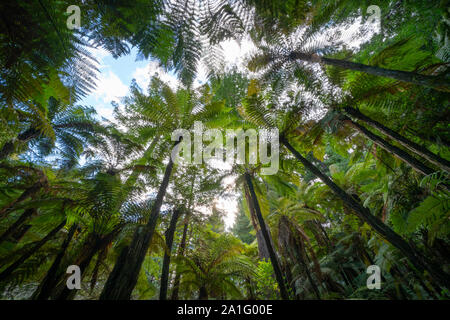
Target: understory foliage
x,y
364,165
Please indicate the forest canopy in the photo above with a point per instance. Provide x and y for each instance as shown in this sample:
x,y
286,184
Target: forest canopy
x,y
350,99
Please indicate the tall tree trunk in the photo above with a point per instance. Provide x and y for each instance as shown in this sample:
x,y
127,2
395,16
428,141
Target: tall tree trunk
x,y
262,224
402,155
181,248
166,262
95,243
410,145
14,227
414,256
51,278
30,192
291,243
438,83
63,292
8,271
20,232
263,252
123,278
202,293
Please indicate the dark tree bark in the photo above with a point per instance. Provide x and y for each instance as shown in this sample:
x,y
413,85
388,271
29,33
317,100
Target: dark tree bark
x,y
63,292
30,192
166,261
20,232
262,224
181,248
410,145
293,246
402,155
182,245
435,82
51,278
263,252
418,260
94,244
17,224
8,271
202,293
123,278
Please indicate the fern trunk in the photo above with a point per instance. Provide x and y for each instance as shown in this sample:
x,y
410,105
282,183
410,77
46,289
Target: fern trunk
x,y
27,193
15,226
123,278
166,261
263,252
434,82
202,293
64,293
8,271
417,259
94,244
292,245
410,145
52,277
402,155
181,248
262,224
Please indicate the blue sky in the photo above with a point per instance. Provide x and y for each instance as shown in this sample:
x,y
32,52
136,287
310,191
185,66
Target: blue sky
x,y
116,74
115,79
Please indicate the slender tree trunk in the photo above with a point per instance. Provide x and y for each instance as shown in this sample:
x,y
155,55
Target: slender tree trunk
x,y
51,278
435,82
294,246
123,278
410,145
415,257
263,252
166,262
27,193
181,248
262,224
14,227
404,156
64,293
20,232
8,271
94,244
202,293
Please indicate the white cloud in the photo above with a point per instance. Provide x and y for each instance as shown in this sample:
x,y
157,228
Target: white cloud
x,y
234,52
109,88
142,75
105,111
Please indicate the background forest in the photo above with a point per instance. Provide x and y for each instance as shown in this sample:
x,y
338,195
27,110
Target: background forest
x,y
364,152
